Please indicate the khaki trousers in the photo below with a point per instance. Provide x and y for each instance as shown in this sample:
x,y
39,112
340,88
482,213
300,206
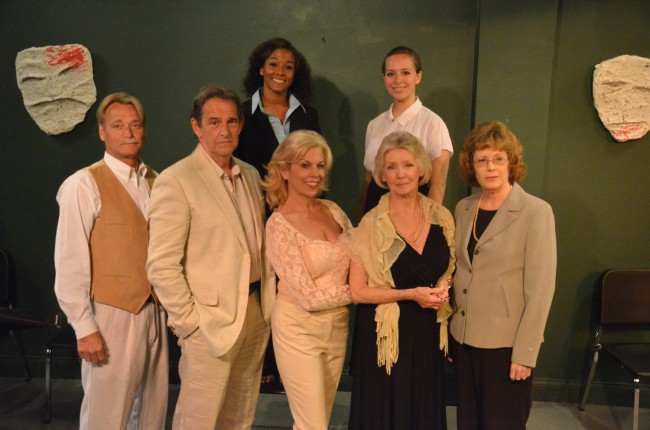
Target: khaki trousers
x,y
310,351
138,363
221,392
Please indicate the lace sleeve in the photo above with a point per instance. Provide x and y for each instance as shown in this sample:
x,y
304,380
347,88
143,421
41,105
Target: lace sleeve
x,y
284,253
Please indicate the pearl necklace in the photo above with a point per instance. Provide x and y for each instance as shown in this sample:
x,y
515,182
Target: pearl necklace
x,y
477,208
418,230
476,217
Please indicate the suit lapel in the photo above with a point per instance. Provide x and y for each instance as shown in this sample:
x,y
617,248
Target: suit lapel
x,y
506,215
218,190
254,191
298,119
264,125
467,219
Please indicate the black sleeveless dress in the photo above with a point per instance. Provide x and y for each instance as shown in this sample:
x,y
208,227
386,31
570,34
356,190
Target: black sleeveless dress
x,y
411,397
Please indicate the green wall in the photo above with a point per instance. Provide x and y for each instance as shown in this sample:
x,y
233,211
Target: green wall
x,y
534,71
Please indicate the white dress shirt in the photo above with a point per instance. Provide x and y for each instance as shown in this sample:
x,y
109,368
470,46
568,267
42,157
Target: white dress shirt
x,y
418,120
79,208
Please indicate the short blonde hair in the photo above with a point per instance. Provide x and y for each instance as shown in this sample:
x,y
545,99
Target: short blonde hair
x,y
402,140
291,150
493,135
122,98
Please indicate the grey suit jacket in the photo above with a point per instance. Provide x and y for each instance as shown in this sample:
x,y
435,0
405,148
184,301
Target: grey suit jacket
x,y
199,260
504,295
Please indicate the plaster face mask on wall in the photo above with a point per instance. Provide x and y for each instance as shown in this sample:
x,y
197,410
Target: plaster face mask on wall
x,y
622,96
57,85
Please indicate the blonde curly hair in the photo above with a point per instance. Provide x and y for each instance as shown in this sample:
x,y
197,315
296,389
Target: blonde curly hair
x,y
291,150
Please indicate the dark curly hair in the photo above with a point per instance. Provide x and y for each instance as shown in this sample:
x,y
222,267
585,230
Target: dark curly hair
x,y
301,86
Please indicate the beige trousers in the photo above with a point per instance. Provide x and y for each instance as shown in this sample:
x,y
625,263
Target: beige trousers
x,y
221,392
138,363
310,351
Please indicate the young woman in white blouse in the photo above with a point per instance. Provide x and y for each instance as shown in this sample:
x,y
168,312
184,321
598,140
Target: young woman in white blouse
x,y
402,73
307,241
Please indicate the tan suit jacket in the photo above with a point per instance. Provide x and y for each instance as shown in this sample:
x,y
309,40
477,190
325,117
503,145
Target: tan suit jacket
x,y
199,262
504,296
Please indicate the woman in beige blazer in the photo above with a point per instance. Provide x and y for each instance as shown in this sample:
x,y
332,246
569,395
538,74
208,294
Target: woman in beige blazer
x,y
504,282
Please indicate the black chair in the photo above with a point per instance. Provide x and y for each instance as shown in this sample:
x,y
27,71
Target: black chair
x,y
625,304
15,319
64,339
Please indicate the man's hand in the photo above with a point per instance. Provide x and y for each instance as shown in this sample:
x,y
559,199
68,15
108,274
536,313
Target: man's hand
x,y
92,348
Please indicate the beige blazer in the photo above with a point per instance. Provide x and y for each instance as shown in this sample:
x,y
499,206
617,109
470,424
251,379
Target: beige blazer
x,y
199,262
504,296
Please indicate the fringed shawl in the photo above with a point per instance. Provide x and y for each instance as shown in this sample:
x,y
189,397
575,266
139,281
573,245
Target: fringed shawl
x,y
376,245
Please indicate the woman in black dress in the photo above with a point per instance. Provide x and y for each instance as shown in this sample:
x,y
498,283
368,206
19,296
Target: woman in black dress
x,y
402,260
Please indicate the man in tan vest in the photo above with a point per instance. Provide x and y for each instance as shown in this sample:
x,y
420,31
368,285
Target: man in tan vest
x,y
207,264
101,283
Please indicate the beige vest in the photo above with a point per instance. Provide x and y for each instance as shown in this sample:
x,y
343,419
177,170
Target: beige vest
x,y
118,245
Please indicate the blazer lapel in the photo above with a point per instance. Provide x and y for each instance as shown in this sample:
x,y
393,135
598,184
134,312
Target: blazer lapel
x,y
298,119
467,219
264,125
218,190
254,191
506,215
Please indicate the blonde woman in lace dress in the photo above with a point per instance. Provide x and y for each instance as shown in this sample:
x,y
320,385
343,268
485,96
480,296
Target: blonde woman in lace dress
x,y
308,246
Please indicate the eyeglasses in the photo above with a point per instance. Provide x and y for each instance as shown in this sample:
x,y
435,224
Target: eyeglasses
x,y
499,160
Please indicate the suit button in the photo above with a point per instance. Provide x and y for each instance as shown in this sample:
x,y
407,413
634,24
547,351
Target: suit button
x,y
476,252
464,290
462,313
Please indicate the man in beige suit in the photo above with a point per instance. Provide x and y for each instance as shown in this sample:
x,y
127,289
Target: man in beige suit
x,y
207,265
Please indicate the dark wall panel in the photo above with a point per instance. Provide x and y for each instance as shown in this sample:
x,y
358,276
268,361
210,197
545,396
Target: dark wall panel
x,y
163,51
597,186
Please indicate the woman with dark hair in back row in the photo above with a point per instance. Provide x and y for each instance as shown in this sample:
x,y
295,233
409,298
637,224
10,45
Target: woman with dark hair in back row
x,y
278,83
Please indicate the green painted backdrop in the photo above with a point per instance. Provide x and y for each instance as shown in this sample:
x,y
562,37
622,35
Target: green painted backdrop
x,y
533,70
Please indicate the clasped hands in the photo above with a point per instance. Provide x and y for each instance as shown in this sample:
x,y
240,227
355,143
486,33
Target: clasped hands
x,y
432,297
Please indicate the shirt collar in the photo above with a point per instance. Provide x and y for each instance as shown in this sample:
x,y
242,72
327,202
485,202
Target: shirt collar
x,y
234,169
256,101
407,114
122,169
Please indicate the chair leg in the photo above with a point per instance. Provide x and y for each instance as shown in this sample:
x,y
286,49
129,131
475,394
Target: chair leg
x,y
590,378
48,386
635,424
21,350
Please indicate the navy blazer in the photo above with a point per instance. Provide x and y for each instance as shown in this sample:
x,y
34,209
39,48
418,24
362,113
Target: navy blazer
x,y
257,141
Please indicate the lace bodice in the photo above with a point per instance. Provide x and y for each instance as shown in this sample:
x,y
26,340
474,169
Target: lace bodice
x,y
313,273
